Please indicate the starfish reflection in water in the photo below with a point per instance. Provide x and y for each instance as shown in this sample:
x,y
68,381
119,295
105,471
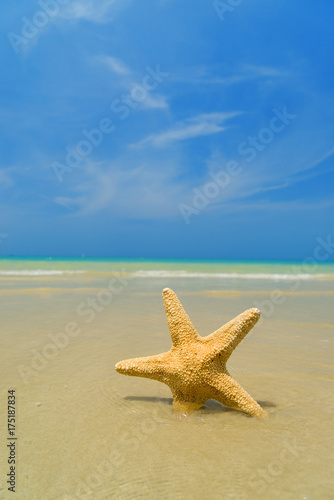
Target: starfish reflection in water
x,y
195,367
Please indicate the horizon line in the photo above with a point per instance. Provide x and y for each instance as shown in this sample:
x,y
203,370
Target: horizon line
x,y
152,259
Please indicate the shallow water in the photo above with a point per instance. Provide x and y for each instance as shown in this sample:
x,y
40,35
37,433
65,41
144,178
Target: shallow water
x,y
95,434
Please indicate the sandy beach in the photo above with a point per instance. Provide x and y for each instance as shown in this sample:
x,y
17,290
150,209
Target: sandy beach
x,y
86,432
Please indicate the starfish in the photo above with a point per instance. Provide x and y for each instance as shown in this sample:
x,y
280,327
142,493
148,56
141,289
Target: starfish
x,y
195,367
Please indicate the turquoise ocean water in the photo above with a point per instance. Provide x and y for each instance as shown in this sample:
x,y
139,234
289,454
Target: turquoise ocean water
x,y
309,269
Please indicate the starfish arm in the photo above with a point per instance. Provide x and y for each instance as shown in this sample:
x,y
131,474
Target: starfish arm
x,y
154,367
226,338
180,327
226,390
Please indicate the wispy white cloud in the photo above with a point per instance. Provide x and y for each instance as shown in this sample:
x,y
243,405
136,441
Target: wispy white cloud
x,y
321,158
5,179
126,188
298,155
97,11
156,101
206,75
95,196
257,71
308,172
274,206
115,64
203,124
129,80
275,182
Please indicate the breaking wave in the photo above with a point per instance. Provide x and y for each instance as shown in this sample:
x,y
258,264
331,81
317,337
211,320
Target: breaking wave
x,y
263,276
38,272
161,273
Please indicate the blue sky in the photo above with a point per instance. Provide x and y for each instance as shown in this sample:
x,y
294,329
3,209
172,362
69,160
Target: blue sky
x,y
165,95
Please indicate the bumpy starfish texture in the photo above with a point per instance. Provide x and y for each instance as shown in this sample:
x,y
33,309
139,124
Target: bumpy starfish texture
x,y
195,367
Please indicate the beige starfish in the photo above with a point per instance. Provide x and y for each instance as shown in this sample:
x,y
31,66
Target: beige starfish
x,y
195,367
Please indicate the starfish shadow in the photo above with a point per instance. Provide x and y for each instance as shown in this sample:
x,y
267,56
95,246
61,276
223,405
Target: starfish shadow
x,y
267,404
211,406
150,399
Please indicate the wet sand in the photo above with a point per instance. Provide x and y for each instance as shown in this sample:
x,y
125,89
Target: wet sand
x,y
86,432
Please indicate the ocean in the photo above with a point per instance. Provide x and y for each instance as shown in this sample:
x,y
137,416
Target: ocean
x,y
86,432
